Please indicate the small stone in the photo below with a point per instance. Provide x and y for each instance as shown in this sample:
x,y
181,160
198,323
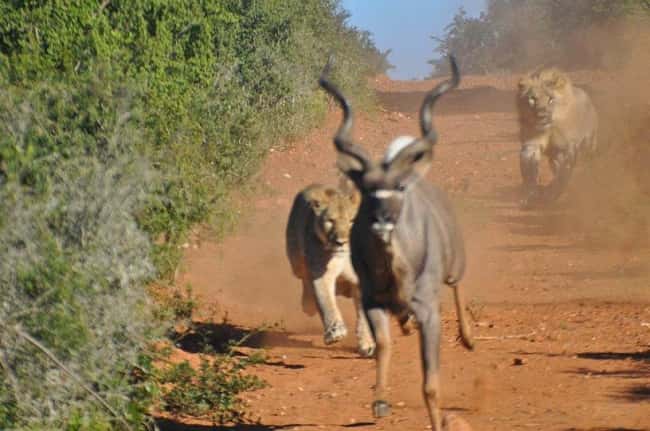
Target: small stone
x,y
287,175
519,361
400,404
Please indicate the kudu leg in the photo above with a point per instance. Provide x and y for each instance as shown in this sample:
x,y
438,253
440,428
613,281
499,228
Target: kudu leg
x,y
463,321
366,342
333,324
407,321
428,316
380,324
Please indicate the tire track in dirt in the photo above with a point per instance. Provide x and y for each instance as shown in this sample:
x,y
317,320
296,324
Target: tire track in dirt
x,y
584,364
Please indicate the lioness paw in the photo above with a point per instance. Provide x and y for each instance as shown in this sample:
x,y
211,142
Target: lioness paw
x,y
335,333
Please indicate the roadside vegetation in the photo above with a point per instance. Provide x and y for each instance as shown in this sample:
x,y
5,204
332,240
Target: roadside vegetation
x,y
123,123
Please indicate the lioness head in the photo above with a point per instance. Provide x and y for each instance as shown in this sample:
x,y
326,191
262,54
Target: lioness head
x,y
539,94
335,211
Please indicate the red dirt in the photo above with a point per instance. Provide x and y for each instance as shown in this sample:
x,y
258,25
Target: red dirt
x,y
578,300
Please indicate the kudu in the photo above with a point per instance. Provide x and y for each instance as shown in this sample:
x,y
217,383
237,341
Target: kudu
x,y
404,242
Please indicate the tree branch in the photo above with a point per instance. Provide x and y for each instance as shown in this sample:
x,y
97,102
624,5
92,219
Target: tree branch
x,y
34,342
13,381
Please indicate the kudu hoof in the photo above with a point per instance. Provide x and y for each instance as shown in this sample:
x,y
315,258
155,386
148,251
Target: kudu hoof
x,y
467,341
335,333
380,408
408,324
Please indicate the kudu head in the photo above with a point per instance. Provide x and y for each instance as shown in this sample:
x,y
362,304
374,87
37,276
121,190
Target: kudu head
x,y
384,184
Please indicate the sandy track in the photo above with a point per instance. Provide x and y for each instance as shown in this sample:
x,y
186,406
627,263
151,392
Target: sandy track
x,y
585,359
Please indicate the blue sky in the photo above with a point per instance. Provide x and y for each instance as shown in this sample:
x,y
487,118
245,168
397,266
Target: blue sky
x,y
406,27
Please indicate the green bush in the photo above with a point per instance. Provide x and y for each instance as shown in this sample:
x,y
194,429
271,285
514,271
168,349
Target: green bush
x,y
122,124
217,82
210,391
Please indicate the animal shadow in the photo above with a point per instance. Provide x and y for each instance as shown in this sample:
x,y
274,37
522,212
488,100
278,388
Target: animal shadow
x,y
638,392
621,356
222,337
171,425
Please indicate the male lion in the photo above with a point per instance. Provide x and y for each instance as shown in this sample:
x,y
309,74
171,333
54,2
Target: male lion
x,y
556,120
317,247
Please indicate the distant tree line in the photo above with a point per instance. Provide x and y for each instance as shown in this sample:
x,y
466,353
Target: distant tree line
x,y
512,35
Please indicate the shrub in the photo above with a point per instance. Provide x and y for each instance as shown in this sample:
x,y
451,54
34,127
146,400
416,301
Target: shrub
x,y
72,258
218,81
123,122
211,390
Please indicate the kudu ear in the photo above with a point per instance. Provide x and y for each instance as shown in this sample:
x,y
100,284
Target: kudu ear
x,y
410,163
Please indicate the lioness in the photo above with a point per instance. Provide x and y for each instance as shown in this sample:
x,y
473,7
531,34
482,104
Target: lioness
x,y
317,247
556,120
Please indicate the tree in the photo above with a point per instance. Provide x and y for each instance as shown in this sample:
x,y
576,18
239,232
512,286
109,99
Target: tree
x,y
470,40
516,35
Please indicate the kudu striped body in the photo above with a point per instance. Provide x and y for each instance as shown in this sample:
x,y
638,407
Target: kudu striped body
x,y
404,243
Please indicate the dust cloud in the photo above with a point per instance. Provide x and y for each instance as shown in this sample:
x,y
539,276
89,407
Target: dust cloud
x,y
609,197
608,201
607,204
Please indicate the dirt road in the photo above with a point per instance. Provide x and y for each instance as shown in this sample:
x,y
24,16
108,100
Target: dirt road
x,y
577,305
